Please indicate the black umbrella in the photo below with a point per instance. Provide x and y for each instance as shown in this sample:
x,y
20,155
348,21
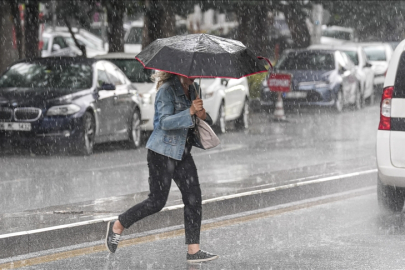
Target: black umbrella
x,y
201,55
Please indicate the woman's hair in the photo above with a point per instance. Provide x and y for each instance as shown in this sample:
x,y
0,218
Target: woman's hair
x,y
161,77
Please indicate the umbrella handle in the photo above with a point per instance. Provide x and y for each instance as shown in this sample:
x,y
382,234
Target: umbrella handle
x,y
267,60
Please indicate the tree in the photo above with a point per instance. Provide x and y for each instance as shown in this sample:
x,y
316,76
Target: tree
x,y
15,14
31,28
253,25
160,21
7,51
296,13
115,17
372,20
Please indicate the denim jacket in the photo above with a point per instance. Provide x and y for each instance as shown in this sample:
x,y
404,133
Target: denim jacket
x,y
172,119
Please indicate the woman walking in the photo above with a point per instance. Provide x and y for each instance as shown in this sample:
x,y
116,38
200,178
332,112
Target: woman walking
x,y
169,158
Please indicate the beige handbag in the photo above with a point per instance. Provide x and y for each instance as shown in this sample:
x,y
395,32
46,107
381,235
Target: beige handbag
x,y
204,137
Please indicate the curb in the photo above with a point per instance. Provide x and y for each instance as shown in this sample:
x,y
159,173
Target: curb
x,y
78,233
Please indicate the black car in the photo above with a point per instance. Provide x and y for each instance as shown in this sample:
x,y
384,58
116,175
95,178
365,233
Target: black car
x,y
74,102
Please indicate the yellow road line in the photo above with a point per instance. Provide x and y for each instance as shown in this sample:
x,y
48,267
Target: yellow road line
x,y
175,233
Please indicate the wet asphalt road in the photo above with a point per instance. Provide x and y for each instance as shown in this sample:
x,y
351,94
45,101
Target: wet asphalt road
x,y
339,232
313,143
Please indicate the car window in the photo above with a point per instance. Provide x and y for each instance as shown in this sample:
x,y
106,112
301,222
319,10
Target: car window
x,y
375,53
60,41
134,36
102,77
353,56
399,85
81,41
53,75
46,44
113,74
332,33
121,76
306,60
134,70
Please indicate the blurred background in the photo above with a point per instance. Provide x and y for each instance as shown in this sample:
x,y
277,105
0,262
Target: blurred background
x,y
86,28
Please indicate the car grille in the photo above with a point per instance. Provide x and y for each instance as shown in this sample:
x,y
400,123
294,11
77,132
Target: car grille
x,y
27,114
6,114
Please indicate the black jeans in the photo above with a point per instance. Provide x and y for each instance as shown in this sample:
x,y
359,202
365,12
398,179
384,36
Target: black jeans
x,y
162,170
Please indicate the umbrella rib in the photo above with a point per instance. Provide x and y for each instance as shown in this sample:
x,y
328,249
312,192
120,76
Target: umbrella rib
x,y
213,40
192,59
155,54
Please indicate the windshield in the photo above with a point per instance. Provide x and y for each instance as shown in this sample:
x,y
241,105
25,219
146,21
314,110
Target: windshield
x,y
306,61
134,36
84,42
133,70
375,53
353,56
43,75
336,34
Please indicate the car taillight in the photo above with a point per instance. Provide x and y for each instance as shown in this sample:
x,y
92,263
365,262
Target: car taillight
x,y
385,111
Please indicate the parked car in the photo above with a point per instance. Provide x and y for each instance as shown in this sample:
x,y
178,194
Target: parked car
x,y
391,136
133,37
62,44
226,100
74,102
56,45
379,55
134,33
319,78
337,35
364,71
140,78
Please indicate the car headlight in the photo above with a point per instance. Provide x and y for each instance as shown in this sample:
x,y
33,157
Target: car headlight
x,y
208,95
146,98
63,110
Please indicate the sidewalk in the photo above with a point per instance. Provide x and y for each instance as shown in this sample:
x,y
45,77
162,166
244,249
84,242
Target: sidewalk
x,y
65,225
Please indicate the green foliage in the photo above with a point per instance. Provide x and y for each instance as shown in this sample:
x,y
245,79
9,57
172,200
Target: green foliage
x,y
255,84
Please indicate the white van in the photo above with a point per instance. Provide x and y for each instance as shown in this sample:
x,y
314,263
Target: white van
x,y
391,135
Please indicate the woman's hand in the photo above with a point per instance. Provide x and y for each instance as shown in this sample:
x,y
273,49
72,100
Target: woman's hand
x,y
201,114
197,106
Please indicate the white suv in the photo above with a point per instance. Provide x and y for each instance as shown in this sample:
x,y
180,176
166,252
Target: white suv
x,y
391,135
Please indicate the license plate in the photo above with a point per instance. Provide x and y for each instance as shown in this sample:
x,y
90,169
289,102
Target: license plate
x,y
15,126
295,95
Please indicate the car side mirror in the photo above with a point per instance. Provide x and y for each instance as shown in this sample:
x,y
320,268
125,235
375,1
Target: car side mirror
x,y
224,82
55,47
107,86
368,65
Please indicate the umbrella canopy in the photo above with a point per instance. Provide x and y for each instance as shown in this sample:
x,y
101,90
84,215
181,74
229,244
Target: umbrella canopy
x,y
201,55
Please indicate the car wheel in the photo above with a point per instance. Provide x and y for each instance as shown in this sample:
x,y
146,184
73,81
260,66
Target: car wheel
x,y
243,120
220,124
339,102
86,135
390,198
135,134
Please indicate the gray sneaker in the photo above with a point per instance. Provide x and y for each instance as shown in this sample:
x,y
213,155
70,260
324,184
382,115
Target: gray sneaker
x,y
201,256
111,239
